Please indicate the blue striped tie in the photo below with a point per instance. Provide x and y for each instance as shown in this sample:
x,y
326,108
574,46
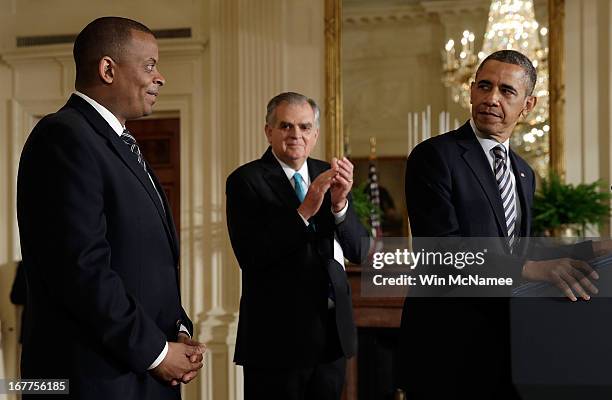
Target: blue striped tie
x,y
131,141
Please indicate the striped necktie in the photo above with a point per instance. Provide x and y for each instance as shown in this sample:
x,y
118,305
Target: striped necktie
x,y
506,190
131,141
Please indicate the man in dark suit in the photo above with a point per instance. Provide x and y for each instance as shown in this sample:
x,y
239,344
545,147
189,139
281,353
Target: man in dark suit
x,y
291,224
469,183
99,245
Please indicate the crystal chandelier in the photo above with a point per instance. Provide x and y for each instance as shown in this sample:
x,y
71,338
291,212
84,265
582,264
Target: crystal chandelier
x,y
511,25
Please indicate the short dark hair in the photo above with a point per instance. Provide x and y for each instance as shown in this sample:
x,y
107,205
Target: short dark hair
x,y
291,98
105,36
516,58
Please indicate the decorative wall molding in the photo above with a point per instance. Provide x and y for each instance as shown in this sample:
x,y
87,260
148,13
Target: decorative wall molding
x,y
261,71
334,139
384,15
556,66
223,146
63,52
456,7
376,13
28,41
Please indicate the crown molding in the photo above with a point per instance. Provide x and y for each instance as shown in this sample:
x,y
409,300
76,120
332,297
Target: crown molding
x,y
63,52
364,13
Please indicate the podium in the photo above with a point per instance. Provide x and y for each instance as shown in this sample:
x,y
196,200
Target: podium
x,y
563,349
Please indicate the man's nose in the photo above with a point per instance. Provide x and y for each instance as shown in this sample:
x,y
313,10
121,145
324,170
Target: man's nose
x,y
492,98
295,132
159,79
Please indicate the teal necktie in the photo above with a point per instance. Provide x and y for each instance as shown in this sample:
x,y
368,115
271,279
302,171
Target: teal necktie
x,y
300,190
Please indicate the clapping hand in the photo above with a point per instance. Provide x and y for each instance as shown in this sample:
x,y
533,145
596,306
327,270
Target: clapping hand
x,y
342,183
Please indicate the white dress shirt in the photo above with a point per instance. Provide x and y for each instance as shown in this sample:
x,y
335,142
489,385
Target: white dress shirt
x,y
118,128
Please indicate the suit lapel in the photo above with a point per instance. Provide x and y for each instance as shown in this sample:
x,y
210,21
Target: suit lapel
x,y
101,127
169,218
520,175
277,179
477,161
314,170
130,160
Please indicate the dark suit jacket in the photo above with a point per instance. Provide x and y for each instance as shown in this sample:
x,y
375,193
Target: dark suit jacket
x,y
449,176
451,191
286,267
100,258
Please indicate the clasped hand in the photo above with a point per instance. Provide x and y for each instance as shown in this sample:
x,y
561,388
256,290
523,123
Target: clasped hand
x,y
182,362
338,179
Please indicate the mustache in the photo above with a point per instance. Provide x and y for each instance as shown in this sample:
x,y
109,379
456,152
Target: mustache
x,y
489,111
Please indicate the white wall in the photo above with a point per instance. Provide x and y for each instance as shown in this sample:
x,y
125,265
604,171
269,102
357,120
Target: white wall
x,y
588,111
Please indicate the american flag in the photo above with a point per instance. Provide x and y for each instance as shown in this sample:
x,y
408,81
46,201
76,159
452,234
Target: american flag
x,y
374,193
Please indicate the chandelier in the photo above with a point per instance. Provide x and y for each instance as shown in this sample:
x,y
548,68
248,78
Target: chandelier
x,y
511,25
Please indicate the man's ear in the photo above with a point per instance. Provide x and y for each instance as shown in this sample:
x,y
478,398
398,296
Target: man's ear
x,y
530,103
472,90
106,69
268,130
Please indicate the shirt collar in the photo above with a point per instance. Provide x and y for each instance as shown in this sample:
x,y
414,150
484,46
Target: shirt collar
x,y
487,143
103,111
290,171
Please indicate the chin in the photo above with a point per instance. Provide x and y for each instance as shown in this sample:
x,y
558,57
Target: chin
x,y
485,126
293,153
